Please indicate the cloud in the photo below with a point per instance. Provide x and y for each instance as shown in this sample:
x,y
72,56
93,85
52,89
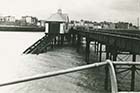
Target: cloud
x,y
112,10
126,5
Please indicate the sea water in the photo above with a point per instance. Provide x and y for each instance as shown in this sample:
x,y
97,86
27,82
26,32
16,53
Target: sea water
x,y
15,65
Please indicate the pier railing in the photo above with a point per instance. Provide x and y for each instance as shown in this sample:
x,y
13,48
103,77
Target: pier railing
x,y
108,63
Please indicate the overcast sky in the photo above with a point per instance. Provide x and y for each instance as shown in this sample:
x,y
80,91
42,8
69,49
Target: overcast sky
x,y
95,10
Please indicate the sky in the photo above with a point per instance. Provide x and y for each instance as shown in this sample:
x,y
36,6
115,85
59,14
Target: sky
x,y
94,10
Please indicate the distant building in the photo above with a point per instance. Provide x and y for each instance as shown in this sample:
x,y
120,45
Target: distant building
x,y
2,19
112,25
9,19
41,23
107,25
97,25
133,27
29,20
77,23
21,22
122,25
82,23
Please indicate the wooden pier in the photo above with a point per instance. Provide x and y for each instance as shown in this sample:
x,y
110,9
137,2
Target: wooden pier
x,y
116,42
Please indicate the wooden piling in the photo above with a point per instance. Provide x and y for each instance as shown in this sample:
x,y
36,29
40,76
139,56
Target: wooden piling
x,y
114,53
115,57
62,39
133,69
78,42
97,48
87,52
55,41
58,40
52,44
70,38
100,53
73,39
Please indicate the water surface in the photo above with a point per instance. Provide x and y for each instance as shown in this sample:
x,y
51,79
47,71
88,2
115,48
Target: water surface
x,y
14,64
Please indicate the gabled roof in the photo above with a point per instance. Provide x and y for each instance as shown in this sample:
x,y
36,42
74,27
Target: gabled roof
x,y
58,17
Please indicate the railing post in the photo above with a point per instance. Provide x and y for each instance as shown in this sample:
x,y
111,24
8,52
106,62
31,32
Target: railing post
x,y
114,54
106,69
114,86
133,68
106,78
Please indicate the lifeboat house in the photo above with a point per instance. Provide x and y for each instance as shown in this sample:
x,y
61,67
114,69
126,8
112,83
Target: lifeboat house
x,y
57,23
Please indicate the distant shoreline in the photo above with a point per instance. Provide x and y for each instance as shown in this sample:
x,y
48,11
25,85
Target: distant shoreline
x,y
21,28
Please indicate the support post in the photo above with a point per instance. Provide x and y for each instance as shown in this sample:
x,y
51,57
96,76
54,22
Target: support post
x,y
59,38
133,68
115,57
100,56
97,48
114,53
73,39
55,41
52,44
62,39
78,42
87,50
70,38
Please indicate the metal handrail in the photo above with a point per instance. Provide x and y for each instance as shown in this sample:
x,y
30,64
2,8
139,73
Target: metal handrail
x,y
51,74
114,87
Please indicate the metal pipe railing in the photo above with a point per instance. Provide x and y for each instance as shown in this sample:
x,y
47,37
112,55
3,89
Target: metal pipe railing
x,y
114,84
51,74
126,63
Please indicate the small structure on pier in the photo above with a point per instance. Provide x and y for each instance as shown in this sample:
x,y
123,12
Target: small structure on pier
x,y
57,23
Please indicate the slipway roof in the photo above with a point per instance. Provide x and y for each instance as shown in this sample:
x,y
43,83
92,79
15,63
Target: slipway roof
x,y
58,17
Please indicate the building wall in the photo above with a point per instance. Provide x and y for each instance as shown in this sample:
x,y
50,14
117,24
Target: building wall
x,y
122,25
46,28
9,19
